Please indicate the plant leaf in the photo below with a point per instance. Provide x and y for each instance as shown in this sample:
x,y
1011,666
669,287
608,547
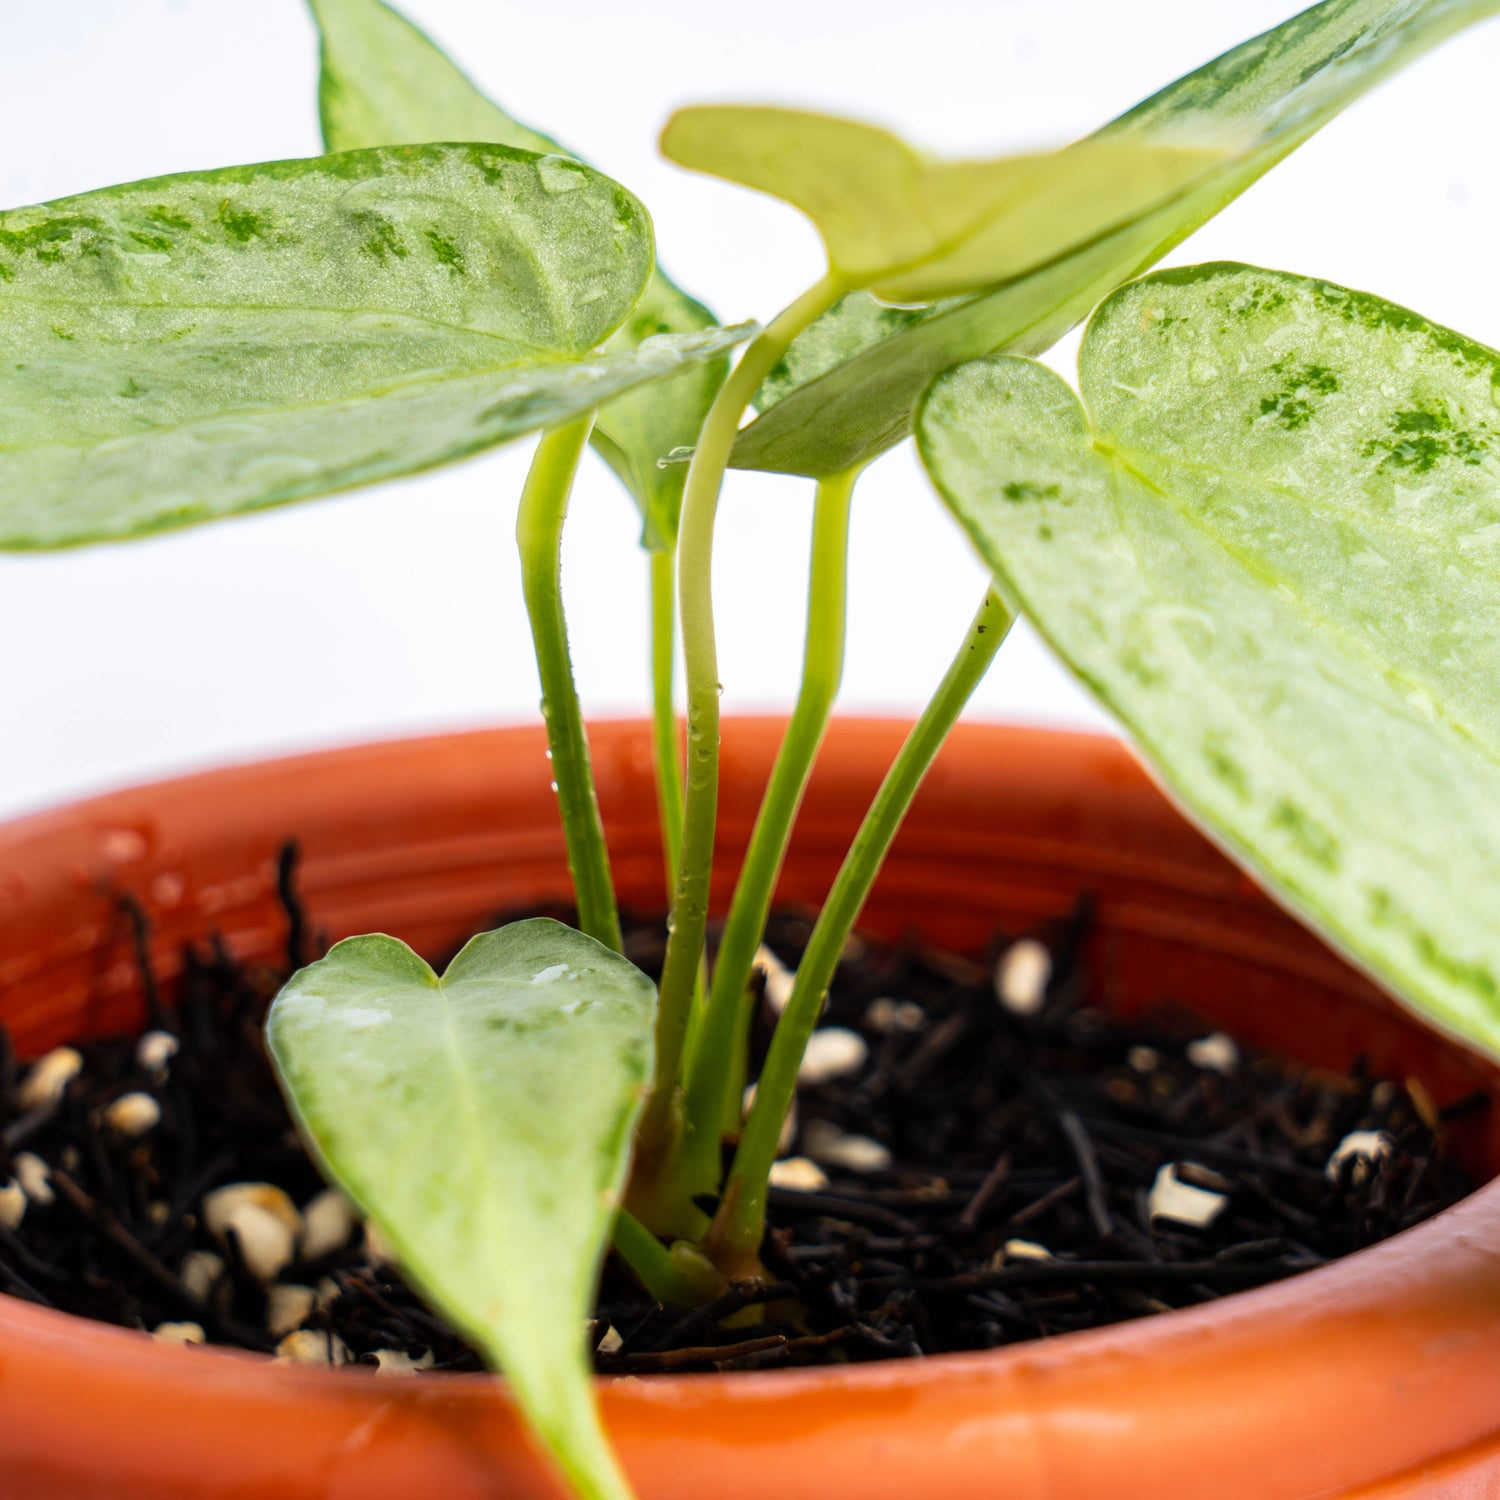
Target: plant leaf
x,y
385,83
636,431
483,1121
1270,548
850,393
911,228
852,324
194,346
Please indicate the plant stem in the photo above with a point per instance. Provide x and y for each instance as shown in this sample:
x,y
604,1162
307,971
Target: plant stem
x,y
712,1078
664,709
700,503
734,1239
539,528
680,1275
666,741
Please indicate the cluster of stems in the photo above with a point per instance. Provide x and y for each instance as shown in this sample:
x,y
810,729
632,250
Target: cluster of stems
x,y
702,1029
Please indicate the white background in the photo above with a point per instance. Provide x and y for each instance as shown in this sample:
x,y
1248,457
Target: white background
x,y
398,609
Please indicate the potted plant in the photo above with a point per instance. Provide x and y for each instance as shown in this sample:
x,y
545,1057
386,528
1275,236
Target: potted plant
x,y
1278,480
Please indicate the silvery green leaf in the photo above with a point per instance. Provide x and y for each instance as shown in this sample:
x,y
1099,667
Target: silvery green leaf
x,y
850,395
483,1121
385,83
852,324
635,432
1267,539
195,346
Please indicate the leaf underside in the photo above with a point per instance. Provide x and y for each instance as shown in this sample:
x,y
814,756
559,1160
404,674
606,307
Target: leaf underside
x,y
911,228
851,383
483,1121
1270,547
385,83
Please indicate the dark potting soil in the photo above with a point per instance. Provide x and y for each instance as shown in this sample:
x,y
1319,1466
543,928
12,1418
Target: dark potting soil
x,y
979,1176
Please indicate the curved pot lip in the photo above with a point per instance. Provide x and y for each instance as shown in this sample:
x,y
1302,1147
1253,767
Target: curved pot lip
x,y
1426,1301
1365,1282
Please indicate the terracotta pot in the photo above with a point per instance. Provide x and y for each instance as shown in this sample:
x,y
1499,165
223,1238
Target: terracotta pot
x,y
1378,1376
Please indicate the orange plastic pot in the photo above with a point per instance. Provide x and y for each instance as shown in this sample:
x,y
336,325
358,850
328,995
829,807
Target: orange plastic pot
x,y
1377,1376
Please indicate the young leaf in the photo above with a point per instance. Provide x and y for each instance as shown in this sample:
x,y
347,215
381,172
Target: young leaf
x,y
1269,546
194,346
385,83
483,1121
851,392
911,228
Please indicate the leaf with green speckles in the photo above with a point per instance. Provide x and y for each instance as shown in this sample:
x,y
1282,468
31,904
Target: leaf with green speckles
x,y
384,83
852,324
1268,540
195,346
483,1121
850,384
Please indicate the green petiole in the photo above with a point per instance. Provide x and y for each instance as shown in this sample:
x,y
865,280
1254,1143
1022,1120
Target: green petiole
x,y
539,527
667,747
714,1082
733,1241
667,740
680,1273
700,655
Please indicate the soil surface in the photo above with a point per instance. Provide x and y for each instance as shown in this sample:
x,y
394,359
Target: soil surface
x,y
977,1172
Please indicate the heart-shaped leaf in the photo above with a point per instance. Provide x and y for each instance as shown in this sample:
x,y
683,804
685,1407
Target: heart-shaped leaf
x,y
195,346
851,383
911,228
384,83
483,1121
1269,546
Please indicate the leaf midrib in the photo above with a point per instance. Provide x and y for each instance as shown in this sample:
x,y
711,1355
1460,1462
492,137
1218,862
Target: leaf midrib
x,y
1377,524
1368,662
541,351
1115,226
226,414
